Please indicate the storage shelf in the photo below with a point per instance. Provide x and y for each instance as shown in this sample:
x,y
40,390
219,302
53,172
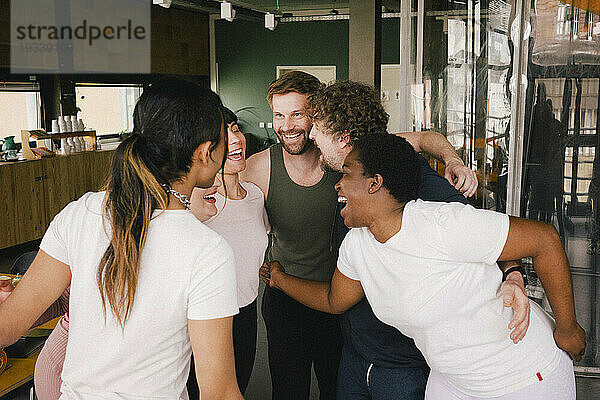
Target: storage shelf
x,y
40,134
64,135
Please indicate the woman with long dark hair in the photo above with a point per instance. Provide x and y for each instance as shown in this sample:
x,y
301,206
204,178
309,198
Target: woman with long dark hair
x,y
149,282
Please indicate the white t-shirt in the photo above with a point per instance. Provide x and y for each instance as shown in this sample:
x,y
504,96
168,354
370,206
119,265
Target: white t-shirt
x,y
437,281
244,224
178,280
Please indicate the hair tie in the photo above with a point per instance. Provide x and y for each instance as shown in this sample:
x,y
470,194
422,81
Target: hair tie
x,y
137,138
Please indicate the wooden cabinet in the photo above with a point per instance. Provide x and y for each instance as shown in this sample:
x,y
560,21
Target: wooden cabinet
x,y
7,206
29,209
33,192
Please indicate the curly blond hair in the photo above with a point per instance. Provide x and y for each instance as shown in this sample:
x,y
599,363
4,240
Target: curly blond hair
x,y
348,107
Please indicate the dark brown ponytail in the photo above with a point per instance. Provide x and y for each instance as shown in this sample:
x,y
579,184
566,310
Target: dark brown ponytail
x,y
171,119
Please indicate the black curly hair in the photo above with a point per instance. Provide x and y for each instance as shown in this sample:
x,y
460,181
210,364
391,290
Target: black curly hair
x,y
349,106
395,160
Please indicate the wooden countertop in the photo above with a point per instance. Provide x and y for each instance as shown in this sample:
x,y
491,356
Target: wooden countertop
x,y
2,163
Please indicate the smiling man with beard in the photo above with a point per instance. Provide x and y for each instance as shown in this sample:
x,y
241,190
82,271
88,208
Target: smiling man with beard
x,y
301,204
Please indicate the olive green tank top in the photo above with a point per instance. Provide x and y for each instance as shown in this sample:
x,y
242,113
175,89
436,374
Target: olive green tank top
x,y
302,222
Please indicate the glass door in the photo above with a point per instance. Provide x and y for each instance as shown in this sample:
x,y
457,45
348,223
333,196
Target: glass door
x,y
514,86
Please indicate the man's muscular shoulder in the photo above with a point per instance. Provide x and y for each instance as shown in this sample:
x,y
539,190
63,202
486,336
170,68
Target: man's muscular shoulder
x,y
258,170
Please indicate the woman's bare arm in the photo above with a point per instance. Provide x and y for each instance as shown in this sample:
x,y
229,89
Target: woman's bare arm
x,y
212,344
527,238
333,297
45,280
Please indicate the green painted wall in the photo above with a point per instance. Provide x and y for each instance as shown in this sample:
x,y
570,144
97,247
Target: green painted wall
x,y
247,55
390,35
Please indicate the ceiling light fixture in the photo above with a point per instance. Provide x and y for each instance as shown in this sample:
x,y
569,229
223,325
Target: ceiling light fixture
x,y
162,3
227,11
270,21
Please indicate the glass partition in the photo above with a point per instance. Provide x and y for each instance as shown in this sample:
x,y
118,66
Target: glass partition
x,y
514,85
461,84
561,164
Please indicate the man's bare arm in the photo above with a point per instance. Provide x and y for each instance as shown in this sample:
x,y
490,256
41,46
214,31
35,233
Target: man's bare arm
x,y
432,142
436,144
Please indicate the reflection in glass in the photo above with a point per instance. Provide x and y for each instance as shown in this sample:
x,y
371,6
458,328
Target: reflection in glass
x,y
562,146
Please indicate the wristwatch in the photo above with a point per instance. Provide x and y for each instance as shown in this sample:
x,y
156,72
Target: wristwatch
x,y
516,268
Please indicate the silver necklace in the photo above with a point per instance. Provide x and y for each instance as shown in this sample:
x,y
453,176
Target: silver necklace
x,y
181,197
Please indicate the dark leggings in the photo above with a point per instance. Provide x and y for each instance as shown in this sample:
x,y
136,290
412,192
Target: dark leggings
x,y
244,348
244,343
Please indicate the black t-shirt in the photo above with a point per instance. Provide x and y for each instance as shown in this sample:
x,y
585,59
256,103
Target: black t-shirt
x,y
376,342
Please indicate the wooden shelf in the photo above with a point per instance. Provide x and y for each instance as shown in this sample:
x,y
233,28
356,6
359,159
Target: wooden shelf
x,y
39,134
65,135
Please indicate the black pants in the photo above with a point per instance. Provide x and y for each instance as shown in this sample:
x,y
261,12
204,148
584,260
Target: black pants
x,y
244,348
298,337
244,343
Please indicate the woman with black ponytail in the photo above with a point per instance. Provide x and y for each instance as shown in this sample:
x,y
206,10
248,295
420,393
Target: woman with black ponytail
x,y
144,294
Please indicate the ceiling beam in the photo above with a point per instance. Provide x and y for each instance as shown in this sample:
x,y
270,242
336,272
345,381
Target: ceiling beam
x,y
214,7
